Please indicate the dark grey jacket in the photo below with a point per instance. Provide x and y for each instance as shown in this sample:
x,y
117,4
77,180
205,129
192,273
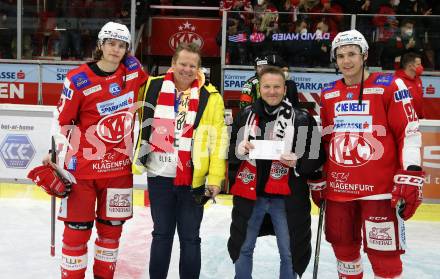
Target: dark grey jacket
x,y
297,204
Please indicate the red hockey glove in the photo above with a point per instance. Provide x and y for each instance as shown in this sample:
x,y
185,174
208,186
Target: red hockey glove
x,y
317,189
47,178
407,192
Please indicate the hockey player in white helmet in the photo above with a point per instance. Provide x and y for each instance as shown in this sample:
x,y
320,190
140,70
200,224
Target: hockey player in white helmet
x,y
99,99
372,180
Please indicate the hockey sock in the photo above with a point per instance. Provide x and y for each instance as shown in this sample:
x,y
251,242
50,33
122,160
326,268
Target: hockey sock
x,y
74,252
349,262
386,266
106,250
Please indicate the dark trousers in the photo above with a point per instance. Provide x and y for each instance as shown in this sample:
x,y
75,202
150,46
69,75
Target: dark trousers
x,y
173,206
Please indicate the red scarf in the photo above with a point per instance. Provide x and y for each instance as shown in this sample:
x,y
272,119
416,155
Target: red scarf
x,y
163,127
278,183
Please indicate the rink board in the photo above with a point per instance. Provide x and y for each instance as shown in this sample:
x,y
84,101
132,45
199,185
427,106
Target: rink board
x,y
426,212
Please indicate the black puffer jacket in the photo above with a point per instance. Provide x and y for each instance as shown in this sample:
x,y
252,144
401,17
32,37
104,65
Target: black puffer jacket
x,y
297,204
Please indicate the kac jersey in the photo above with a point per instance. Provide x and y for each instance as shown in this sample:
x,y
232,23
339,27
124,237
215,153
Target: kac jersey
x,y
102,111
367,143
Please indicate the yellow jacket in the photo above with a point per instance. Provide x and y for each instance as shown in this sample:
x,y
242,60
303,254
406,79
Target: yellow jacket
x,y
210,137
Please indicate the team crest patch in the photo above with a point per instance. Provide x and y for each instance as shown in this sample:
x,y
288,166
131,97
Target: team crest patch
x,y
80,80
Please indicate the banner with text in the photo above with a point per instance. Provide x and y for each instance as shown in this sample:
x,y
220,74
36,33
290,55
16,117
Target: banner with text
x,y
19,83
25,138
52,84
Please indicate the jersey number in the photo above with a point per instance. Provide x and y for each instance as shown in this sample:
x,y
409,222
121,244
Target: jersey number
x,y
410,112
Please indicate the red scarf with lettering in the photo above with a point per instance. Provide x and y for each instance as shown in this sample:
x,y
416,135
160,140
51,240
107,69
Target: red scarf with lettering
x,y
278,183
163,127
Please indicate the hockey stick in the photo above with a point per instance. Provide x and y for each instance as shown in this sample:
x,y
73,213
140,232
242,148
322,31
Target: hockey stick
x,y
53,158
318,239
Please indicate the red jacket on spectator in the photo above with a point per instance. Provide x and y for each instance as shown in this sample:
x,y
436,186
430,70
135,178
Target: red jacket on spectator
x,y
387,25
228,5
415,88
333,21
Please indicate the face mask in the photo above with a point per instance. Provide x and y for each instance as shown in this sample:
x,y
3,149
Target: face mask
x,y
260,2
396,2
303,31
318,32
409,32
286,75
419,70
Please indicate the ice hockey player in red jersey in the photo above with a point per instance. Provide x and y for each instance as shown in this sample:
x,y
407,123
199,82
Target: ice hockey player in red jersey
x,y
98,99
372,178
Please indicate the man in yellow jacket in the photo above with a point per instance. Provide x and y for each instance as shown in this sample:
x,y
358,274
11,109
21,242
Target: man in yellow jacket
x,y
182,144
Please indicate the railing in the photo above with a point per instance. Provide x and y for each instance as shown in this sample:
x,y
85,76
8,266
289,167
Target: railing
x,y
33,31
306,42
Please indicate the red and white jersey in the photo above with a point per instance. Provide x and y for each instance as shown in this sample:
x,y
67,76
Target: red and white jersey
x,y
366,144
102,109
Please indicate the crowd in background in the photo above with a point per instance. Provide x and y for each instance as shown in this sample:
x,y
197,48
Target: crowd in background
x,y
60,29
301,30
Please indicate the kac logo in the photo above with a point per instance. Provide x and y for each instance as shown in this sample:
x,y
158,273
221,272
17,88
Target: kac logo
x,y
115,127
186,34
350,150
17,151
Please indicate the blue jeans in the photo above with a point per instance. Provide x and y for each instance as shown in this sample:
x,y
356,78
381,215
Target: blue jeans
x,y
276,208
173,206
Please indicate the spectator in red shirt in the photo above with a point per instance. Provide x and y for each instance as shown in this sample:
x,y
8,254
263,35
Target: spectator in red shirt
x,y
386,23
410,71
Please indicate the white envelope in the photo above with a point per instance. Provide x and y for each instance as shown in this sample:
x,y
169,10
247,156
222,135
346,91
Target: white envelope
x,y
267,149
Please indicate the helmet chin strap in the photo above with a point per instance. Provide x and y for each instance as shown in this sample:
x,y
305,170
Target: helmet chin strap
x,y
361,89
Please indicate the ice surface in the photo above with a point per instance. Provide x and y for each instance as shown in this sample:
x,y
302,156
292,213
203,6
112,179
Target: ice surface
x,y
25,240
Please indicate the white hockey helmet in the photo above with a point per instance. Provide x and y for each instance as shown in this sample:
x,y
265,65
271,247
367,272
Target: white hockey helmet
x,y
113,30
350,37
